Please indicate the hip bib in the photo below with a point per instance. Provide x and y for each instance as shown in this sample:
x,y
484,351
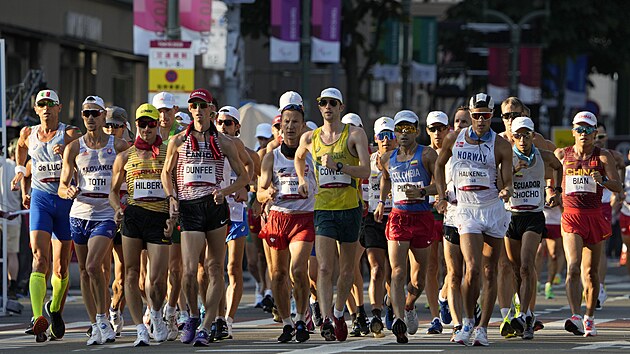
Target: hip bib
x,y
399,195
236,210
200,175
148,190
48,172
526,199
332,179
580,184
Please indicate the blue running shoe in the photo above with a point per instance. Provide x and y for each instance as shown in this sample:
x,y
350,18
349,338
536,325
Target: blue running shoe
x,y
190,330
445,312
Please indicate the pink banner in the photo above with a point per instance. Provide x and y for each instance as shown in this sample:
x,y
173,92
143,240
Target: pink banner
x,y
326,31
195,16
530,61
498,68
149,23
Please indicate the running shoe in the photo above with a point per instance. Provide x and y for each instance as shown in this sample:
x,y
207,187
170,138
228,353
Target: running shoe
x,y
549,291
528,333
518,324
445,312
478,314
222,330
117,321
317,314
230,329
301,332
57,326
38,325
557,279
411,320
376,327
341,329
399,328
310,325
95,338
538,325
160,329
276,315
258,301
356,330
589,328
456,330
436,327
389,316
327,330
142,339
481,337
190,330
267,303
107,332
171,325
182,319
574,325
202,339
601,297
364,326
506,329
287,334
463,335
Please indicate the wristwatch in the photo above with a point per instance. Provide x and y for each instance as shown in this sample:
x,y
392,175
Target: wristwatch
x,y
423,192
339,166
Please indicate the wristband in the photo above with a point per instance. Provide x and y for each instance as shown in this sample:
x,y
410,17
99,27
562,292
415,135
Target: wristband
x,y
19,169
605,179
381,202
168,197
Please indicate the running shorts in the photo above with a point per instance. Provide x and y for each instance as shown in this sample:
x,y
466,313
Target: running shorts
x,y
238,228
203,214
146,225
413,226
624,223
590,224
488,219
284,228
553,232
49,213
373,235
451,234
526,221
83,230
341,225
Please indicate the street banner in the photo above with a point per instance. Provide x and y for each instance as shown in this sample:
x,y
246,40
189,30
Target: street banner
x,y
326,31
149,23
498,73
195,20
424,50
217,39
576,74
530,63
284,46
172,69
388,69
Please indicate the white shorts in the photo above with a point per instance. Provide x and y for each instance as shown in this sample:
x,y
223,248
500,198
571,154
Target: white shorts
x,y
489,219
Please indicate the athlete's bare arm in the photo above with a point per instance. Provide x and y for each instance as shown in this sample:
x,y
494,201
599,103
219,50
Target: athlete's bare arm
x,y
231,153
429,156
21,153
118,178
553,171
439,174
306,145
358,146
266,192
503,153
386,186
610,169
167,172
67,191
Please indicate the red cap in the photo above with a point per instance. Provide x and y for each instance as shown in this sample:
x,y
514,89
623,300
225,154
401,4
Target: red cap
x,y
277,119
201,94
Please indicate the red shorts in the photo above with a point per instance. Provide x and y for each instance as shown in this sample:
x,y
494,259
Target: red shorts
x,y
254,223
438,230
624,223
588,223
414,226
553,232
607,211
282,229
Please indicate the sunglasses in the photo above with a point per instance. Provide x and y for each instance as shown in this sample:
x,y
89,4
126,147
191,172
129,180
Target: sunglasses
x,y
481,115
511,115
601,136
46,104
323,103
406,129
584,130
147,123
439,128
519,136
386,134
297,107
92,112
226,122
200,105
113,125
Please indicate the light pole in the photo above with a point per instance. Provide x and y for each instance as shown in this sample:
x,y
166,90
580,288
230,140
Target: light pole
x,y
515,38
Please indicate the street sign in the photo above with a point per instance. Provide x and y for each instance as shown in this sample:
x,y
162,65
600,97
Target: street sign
x,y
171,69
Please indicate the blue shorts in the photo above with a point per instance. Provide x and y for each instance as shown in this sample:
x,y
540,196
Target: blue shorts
x,y
84,230
49,213
238,228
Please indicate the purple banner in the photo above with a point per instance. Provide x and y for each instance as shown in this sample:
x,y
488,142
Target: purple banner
x,y
326,31
285,31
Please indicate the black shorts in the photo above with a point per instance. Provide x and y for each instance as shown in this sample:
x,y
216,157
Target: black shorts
x,y
373,235
451,234
526,221
341,225
203,214
147,225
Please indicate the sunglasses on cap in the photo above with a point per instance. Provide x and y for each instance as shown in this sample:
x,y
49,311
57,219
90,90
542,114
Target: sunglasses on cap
x,y
511,115
406,129
92,112
46,103
386,134
147,123
295,107
481,115
113,125
226,122
200,105
519,136
323,103
439,128
584,130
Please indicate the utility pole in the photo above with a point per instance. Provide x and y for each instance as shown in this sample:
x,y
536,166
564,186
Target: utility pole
x,y
306,54
405,66
173,32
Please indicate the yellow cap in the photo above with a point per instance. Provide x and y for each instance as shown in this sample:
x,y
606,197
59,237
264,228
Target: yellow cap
x,y
147,110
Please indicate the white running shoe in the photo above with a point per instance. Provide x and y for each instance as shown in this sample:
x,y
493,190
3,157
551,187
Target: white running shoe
x,y
160,331
171,324
143,338
95,338
463,336
589,328
107,332
117,321
411,320
481,337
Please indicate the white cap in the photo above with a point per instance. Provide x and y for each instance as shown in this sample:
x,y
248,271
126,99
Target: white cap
x,y
94,100
230,111
481,100
405,116
164,100
352,118
331,92
522,122
383,123
436,117
263,130
312,125
183,118
289,98
585,117
47,95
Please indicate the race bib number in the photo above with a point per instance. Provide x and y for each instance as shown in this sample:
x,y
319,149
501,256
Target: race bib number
x,y
399,195
365,191
148,190
97,187
579,184
236,210
333,179
472,179
48,172
289,187
200,175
